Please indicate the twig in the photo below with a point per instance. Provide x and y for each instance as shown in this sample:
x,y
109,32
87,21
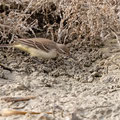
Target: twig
x,y
115,34
17,99
9,112
29,5
6,68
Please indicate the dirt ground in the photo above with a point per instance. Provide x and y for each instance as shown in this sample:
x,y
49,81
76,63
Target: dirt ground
x,y
87,88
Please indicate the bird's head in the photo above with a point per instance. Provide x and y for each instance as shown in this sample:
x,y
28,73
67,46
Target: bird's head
x,y
63,49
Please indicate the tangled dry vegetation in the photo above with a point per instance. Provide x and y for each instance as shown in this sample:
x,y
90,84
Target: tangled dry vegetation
x,y
91,21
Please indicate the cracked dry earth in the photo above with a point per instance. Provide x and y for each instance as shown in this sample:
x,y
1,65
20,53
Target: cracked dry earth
x,y
87,88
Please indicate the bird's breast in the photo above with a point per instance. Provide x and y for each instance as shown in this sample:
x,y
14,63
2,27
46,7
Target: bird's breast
x,y
42,54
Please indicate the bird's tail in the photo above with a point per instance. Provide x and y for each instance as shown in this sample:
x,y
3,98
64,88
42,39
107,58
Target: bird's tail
x,y
6,45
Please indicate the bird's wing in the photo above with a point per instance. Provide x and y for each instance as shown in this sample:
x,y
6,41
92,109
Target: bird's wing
x,y
43,44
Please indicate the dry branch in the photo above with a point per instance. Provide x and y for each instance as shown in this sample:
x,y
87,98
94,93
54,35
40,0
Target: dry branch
x,y
17,99
9,112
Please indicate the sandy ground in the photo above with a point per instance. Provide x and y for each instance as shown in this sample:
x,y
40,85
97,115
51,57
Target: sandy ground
x,y
87,88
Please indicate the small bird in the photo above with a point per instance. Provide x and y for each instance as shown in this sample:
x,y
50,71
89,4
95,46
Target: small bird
x,y
40,47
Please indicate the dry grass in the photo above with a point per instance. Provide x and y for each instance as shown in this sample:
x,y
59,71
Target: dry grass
x,y
91,21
